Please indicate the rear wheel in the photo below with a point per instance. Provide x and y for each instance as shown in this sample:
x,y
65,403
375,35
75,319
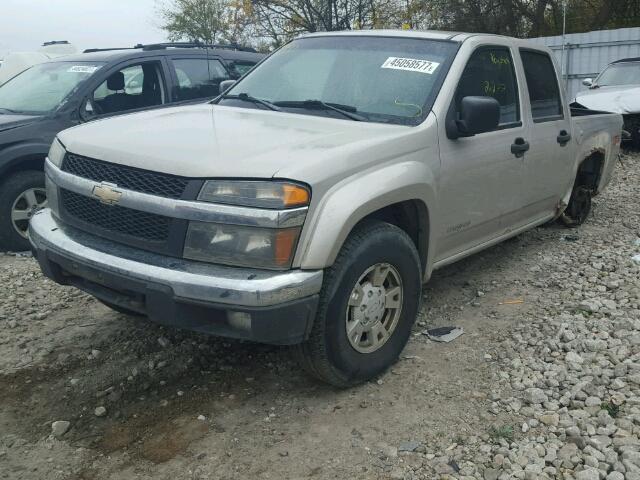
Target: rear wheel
x,y
579,206
21,195
368,303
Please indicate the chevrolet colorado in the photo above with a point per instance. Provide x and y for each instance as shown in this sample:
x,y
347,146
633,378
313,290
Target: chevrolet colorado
x,y
307,204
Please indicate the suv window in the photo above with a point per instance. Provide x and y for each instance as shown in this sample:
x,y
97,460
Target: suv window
x,y
542,83
135,86
490,72
198,78
240,68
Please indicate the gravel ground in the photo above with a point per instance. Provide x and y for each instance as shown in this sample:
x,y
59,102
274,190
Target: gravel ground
x,y
545,382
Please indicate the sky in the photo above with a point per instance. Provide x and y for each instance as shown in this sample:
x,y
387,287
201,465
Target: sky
x,y
26,24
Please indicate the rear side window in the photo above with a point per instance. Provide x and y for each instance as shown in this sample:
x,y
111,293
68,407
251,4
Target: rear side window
x,y
240,68
198,78
542,82
490,73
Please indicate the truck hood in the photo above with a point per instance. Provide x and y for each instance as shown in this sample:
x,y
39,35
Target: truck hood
x,y
9,121
220,141
616,99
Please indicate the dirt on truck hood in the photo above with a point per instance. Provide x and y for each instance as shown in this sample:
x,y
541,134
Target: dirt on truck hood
x,y
219,141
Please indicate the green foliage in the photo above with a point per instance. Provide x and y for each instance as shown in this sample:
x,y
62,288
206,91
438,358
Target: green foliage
x,y
611,408
502,432
269,23
529,18
208,21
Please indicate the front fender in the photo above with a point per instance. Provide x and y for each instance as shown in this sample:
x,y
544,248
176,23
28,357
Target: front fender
x,y
12,155
351,200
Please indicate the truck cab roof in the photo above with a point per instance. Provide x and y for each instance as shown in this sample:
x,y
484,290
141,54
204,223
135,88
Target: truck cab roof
x,y
458,37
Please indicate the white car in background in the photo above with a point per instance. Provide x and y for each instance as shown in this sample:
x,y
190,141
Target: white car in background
x,y
18,62
616,90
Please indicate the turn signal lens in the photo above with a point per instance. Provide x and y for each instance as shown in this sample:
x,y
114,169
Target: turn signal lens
x,y
255,193
295,195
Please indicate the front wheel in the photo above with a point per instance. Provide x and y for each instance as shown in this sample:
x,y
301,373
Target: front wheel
x,y
21,195
368,303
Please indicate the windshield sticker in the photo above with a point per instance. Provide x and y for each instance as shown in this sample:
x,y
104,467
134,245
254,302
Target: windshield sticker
x,y
83,69
410,64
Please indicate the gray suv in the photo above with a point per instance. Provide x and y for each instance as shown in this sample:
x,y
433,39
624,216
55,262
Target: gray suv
x,y
99,83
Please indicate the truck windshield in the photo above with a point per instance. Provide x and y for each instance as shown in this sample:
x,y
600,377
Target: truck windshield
x,y
380,79
620,74
43,87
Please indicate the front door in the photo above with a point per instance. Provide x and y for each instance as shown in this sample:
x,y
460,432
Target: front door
x,y
481,178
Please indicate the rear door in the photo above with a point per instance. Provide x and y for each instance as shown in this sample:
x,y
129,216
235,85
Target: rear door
x,y
197,78
549,161
481,183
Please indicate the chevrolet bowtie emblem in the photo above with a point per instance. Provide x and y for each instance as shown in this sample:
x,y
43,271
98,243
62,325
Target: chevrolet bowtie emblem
x,y
107,193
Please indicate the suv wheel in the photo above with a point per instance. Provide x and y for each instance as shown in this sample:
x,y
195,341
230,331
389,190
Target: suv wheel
x,y
368,303
21,195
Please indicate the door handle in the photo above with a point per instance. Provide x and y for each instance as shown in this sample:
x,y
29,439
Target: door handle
x,y
519,146
563,138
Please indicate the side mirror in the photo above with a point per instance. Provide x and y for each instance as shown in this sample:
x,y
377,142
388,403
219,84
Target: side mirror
x,y
587,82
226,85
477,115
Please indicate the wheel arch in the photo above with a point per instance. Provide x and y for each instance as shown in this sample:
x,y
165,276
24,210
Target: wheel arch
x,y
589,171
22,157
404,200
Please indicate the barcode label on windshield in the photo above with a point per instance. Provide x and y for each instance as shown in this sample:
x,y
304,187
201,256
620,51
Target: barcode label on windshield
x,y
410,64
83,69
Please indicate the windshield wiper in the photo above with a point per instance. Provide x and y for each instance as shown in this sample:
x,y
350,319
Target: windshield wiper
x,y
7,110
245,97
346,110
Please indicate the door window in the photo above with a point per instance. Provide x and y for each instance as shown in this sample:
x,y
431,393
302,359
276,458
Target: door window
x,y
490,73
542,83
135,86
198,78
240,68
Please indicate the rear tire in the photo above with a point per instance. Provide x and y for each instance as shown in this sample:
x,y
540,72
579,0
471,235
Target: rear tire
x,y
373,290
579,206
21,195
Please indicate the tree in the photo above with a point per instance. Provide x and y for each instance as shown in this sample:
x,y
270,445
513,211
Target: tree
x,y
207,21
280,20
527,18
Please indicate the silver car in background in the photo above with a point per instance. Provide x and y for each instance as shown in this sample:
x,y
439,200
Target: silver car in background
x,y
616,90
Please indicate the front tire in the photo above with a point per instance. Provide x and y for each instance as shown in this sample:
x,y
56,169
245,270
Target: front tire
x,y
21,195
368,303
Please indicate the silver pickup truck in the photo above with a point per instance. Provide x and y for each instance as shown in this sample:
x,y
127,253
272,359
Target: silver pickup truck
x,y
309,202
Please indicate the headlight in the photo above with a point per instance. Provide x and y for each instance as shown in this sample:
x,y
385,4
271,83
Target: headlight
x,y
259,193
56,153
240,245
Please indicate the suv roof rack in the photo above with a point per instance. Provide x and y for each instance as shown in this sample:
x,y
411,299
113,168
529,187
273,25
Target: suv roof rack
x,y
92,50
164,46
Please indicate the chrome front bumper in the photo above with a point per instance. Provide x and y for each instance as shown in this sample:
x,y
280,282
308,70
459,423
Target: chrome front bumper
x,y
102,267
